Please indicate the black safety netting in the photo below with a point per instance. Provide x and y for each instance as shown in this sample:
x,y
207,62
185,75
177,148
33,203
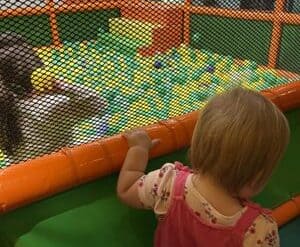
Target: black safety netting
x,y
74,71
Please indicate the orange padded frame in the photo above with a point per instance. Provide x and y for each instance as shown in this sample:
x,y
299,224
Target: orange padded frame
x,y
33,180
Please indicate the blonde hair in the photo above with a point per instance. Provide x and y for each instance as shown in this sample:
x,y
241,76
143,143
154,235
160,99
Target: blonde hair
x,y
239,139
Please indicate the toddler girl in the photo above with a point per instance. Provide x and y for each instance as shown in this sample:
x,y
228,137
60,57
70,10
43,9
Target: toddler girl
x,y
237,142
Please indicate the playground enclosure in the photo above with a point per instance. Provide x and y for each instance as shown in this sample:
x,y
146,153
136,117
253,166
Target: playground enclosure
x,y
155,64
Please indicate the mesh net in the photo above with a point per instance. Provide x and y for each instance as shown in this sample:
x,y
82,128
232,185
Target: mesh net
x,y
75,71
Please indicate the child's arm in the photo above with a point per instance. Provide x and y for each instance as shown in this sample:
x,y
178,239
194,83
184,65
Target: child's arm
x,y
134,166
84,102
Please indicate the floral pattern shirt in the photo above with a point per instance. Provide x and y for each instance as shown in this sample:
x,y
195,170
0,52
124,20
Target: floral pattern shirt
x,y
155,190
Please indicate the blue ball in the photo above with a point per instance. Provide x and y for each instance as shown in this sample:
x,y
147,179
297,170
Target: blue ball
x,y
102,130
210,68
158,64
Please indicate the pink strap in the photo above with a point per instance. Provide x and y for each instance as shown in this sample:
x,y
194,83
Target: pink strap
x,y
182,173
247,219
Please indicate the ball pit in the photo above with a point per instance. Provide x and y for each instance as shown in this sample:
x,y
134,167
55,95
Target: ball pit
x,y
133,85
141,90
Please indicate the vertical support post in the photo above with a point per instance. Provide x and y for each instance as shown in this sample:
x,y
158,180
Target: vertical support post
x,y
276,33
53,23
186,21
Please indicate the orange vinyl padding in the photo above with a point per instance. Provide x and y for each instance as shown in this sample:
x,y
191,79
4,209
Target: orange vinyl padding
x,y
287,211
45,176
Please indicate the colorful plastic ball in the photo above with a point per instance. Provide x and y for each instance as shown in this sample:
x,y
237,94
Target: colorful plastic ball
x,y
158,64
102,130
210,69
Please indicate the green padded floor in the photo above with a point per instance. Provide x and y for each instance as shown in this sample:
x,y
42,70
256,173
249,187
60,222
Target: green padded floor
x,y
289,234
91,215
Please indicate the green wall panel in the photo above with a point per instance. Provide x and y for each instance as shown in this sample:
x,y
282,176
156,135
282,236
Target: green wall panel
x,y
84,25
289,56
34,28
239,38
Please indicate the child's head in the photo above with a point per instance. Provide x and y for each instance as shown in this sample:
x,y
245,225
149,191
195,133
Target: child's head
x,y
238,141
18,60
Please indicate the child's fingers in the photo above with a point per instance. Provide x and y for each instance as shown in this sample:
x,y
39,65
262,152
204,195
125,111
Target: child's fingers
x,y
133,130
128,133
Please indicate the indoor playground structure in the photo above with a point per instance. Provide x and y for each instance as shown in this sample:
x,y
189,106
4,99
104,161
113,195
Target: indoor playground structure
x,y
155,63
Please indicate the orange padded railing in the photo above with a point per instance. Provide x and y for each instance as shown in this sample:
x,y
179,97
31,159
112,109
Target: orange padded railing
x,y
45,176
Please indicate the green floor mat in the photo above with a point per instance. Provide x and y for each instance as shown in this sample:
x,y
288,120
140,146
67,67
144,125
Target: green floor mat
x,y
289,234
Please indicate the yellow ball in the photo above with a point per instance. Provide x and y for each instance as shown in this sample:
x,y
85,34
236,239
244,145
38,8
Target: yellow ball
x,y
86,125
225,79
131,124
220,90
109,66
177,90
201,56
199,105
260,82
248,86
142,121
220,67
42,79
260,70
139,105
2,156
182,50
215,56
70,66
78,70
175,108
144,105
115,119
205,78
88,82
138,77
159,104
151,93
127,90
247,63
99,89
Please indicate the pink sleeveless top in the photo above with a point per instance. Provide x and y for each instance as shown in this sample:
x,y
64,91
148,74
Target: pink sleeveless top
x,y
182,228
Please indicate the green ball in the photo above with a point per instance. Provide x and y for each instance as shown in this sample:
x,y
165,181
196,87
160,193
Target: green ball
x,y
216,80
132,98
161,89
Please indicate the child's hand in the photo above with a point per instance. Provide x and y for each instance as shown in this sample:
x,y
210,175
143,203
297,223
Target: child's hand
x,y
140,138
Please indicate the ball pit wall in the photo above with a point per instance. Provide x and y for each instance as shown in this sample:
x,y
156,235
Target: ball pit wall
x,y
36,179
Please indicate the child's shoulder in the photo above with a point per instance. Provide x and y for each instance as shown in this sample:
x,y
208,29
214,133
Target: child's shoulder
x,y
263,230
265,220
171,168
